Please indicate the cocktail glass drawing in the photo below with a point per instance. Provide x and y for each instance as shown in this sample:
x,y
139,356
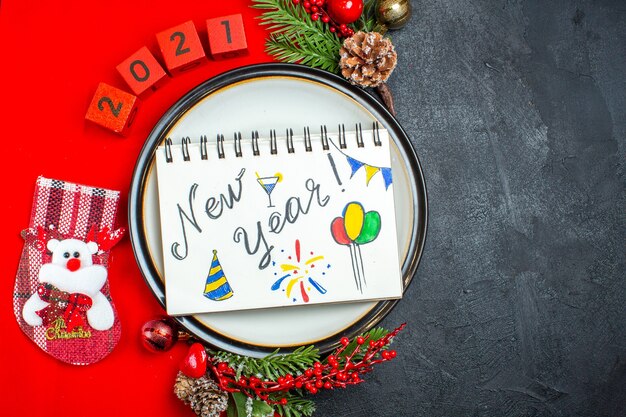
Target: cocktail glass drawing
x,y
268,184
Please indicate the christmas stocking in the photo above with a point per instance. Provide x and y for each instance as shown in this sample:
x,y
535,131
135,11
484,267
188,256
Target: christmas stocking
x,y
61,298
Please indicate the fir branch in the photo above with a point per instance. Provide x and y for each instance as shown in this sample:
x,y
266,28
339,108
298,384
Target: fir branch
x,y
374,334
296,38
272,366
367,21
303,50
282,16
297,406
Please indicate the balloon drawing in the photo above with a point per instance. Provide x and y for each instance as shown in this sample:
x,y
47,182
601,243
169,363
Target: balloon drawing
x,y
354,228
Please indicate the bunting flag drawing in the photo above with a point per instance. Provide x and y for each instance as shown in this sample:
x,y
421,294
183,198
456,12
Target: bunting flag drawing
x,y
217,287
370,170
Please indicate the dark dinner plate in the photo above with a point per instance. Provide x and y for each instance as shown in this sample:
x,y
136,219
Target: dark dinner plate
x,y
261,97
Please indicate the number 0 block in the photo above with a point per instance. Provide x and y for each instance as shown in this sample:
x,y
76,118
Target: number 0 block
x,y
142,71
181,48
227,37
112,108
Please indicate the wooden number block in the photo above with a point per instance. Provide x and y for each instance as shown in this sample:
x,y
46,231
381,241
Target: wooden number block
x,y
112,108
227,37
142,71
181,48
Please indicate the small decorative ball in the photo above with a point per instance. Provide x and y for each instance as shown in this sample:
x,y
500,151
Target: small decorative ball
x,y
195,363
393,13
344,11
159,335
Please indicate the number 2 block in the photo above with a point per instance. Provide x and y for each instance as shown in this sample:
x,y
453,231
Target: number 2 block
x,y
227,37
142,71
181,48
112,108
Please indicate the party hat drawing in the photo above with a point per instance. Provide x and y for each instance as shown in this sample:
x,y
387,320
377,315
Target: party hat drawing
x,y
217,287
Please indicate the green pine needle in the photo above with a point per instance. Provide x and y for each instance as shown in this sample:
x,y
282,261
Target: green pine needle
x,y
297,406
367,21
297,38
276,365
304,51
272,366
374,334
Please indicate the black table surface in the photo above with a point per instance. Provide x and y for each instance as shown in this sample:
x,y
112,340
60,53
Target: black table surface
x,y
517,110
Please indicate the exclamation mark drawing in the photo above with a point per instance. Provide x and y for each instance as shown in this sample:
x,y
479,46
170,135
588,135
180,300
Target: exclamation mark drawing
x,y
332,165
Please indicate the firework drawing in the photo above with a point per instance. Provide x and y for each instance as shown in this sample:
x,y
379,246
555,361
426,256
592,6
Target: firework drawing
x,y
300,273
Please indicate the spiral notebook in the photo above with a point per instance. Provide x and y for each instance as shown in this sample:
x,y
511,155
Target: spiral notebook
x,y
277,221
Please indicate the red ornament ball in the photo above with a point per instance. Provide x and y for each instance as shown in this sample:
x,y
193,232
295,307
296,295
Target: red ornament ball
x,y
159,335
195,363
344,11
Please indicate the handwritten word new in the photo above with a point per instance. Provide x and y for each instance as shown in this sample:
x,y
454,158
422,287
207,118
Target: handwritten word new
x,y
214,208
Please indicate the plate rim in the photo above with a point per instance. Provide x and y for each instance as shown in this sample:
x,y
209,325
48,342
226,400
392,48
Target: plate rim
x,y
417,183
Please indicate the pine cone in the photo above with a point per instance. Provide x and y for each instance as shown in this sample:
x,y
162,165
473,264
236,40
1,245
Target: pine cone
x,y
367,59
203,395
183,387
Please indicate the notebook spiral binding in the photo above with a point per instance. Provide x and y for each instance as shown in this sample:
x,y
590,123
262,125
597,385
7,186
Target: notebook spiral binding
x,y
186,141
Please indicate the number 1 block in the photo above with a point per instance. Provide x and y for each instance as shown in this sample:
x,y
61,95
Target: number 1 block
x,y
112,108
181,48
227,37
142,71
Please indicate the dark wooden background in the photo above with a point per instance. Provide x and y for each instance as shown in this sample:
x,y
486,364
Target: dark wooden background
x,y
517,110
